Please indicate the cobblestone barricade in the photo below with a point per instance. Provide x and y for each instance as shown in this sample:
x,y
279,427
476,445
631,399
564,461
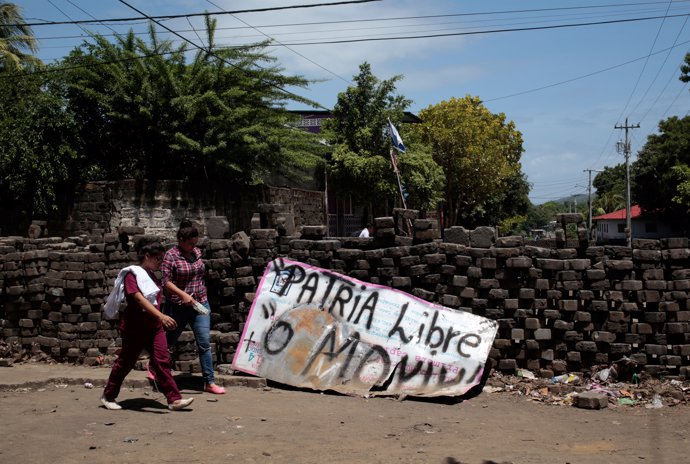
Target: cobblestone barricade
x,y
562,307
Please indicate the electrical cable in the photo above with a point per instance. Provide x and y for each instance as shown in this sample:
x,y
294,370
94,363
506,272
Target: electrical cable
x,y
377,27
583,76
491,31
347,81
191,15
657,75
86,13
651,49
682,90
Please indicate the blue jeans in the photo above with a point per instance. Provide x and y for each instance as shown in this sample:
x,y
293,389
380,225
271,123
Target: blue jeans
x,y
201,325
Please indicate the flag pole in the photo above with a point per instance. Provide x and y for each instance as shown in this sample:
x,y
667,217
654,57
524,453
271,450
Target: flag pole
x,y
397,144
397,175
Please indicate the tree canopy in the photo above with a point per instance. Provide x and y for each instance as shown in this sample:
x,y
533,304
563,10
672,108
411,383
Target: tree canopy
x,y
145,110
17,42
38,152
479,153
360,164
660,172
610,189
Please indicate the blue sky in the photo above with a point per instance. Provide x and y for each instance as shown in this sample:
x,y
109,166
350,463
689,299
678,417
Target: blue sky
x,y
567,127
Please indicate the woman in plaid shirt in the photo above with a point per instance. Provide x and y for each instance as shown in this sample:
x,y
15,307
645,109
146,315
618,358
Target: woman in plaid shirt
x,y
183,279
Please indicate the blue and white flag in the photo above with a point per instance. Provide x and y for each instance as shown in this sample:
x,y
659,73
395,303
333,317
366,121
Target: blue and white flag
x,y
395,138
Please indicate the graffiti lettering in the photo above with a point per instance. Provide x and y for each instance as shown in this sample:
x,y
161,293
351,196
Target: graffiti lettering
x,y
435,336
315,328
269,310
283,336
385,359
309,289
332,354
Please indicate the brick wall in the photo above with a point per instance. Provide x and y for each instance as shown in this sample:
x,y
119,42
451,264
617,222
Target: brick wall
x,y
560,308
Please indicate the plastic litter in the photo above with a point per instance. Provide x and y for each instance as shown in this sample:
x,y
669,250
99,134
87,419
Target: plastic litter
x,y
626,401
88,385
656,402
524,373
565,378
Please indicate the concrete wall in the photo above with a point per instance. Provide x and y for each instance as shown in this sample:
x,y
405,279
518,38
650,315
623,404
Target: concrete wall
x,y
156,208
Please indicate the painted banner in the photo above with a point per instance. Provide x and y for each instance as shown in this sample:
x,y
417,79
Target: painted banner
x,y
314,328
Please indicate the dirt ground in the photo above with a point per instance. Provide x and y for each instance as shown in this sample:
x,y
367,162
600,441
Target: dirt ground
x,y
66,424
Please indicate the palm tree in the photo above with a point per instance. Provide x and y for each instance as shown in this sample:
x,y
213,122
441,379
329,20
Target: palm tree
x,y
16,39
610,202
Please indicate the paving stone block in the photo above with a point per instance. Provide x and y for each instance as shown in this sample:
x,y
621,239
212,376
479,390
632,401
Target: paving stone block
x,y
591,400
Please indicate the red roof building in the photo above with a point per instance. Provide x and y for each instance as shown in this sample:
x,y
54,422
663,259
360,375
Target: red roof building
x,y
611,226
635,212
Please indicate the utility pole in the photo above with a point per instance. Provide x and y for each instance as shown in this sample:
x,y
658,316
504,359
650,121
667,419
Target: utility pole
x,y
589,199
625,148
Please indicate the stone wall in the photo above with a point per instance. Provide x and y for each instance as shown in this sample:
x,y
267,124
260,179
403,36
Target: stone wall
x,y
156,208
560,308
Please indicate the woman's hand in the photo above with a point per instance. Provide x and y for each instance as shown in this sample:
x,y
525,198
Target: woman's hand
x,y
168,322
187,299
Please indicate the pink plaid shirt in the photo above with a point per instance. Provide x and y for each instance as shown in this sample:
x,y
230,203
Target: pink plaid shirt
x,y
186,274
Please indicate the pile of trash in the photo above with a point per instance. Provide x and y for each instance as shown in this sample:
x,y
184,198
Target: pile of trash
x,y
637,390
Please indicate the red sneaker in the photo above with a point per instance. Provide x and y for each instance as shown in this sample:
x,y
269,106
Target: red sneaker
x,y
213,388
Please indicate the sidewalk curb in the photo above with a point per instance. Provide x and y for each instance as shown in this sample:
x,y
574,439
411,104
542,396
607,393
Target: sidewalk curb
x,y
225,381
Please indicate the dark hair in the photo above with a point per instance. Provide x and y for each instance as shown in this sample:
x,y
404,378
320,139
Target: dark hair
x,y
369,224
146,246
187,230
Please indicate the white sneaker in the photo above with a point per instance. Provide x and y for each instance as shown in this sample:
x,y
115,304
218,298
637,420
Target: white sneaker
x,y
110,404
180,404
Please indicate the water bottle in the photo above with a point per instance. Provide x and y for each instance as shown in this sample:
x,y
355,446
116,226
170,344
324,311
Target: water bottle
x,y
201,309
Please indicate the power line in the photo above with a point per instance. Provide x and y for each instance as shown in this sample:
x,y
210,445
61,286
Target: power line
x,y
311,31
680,31
682,90
220,58
196,33
553,184
398,18
651,49
90,34
491,31
189,15
583,76
285,46
657,75
86,13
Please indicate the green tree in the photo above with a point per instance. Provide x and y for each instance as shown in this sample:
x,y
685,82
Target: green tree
x,y
682,174
539,216
508,208
608,202
479,152
611,180
658,171
17,43
146,111
38,151
360,164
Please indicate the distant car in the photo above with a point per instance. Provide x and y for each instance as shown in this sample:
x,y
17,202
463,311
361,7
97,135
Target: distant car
x,y
537,233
